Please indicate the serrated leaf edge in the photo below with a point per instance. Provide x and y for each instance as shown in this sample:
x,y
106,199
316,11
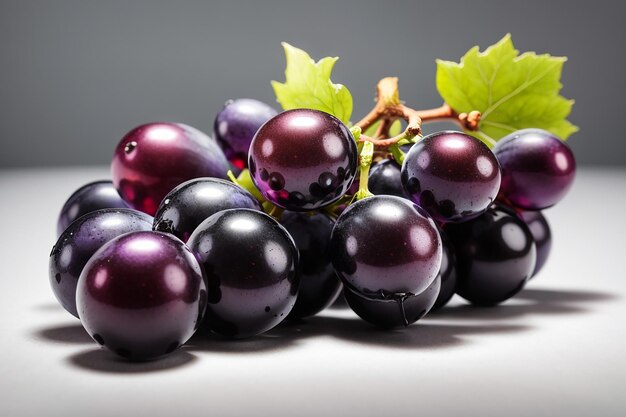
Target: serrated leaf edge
x,y
555,59
344,113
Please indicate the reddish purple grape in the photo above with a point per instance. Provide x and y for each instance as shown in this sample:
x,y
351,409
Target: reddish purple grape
x,y
397,312
384,179
453,176
383,246
540,229
249,262
447,273
190,203
303,159
495,256
154,158
537,169
81,240
319,284
141,295
235,126
90,197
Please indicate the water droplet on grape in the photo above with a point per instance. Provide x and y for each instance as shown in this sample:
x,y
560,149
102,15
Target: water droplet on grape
x,y
130,146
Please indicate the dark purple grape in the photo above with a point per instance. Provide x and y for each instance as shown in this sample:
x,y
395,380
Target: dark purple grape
x,y
540,229
537,169
81,240
90,197
447,273
383,246
384,179
391,313
154,158
235,126
453,176
250,265
319,284
495,256
190,203
339,208
303,159
141,295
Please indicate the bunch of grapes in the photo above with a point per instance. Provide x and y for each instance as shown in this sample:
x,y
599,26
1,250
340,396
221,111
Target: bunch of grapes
x,y
280,213
455,217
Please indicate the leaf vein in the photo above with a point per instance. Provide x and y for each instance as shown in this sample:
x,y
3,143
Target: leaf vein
x,y
517,91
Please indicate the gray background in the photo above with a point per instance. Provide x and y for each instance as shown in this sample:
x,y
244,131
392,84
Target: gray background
x,y
75,76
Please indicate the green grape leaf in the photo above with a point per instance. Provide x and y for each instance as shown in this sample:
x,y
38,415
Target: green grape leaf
x,y
394,129
308,85
511,91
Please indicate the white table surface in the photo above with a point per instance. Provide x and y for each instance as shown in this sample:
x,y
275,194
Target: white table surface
x,y
557,349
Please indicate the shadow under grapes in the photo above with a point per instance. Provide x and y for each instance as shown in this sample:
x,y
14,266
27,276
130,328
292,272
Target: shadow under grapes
x,y
206,341
550,296
102,360
73,333
433,332
421,335
528,301
49,307
442,329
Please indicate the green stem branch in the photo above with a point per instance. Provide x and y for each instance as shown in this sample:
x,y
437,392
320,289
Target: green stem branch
x,y
398,154
365,160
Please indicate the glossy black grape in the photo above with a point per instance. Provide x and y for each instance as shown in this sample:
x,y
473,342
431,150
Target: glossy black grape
x,y
540,229
190,203
319,284
392,313
80,241
303,159
90,197
235,126
538,168
453,176
386,245
495,256
249,262
384,179
141,295
447,273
